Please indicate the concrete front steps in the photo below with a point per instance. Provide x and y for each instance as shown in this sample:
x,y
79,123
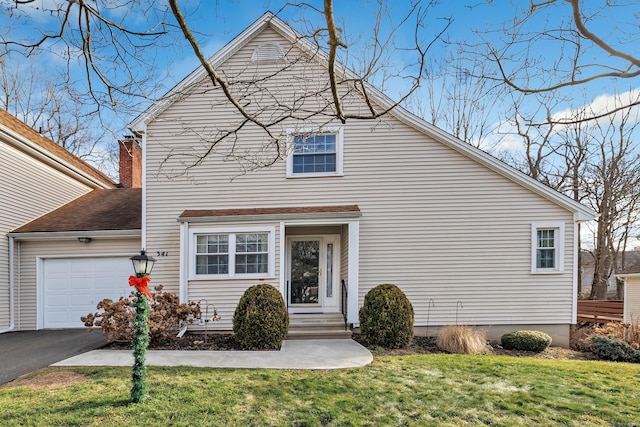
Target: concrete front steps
x,y
317,326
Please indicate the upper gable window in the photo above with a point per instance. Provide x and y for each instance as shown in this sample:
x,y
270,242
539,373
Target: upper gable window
x,y
268,52
315,153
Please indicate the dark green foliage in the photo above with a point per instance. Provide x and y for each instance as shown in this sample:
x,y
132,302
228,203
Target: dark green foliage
x,y
140,344
607,348
261,320
386,318
526,340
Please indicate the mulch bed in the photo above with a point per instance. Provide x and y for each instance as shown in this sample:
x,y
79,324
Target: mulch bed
x,y
420,345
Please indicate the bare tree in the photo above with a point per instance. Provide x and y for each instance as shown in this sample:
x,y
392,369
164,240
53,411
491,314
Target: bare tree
x,y
112,52
595,162
613,186
56,110
456,101
556,46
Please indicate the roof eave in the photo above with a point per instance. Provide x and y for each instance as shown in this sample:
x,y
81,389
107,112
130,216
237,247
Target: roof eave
x,y
581,212
22,143
271,217
67,235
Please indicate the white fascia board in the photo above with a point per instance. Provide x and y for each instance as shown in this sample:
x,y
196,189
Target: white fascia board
x,y
36,151
67,235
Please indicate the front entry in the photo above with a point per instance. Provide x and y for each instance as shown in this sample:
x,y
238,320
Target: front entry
x,y
313,274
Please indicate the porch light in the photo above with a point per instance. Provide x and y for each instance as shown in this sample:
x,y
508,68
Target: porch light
x,y
142,264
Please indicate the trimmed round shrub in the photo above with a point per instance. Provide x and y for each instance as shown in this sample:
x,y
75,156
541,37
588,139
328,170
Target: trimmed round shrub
x,y
526,340
386,318
261,321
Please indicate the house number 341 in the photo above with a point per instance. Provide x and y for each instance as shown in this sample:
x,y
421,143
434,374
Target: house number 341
x,y
162,253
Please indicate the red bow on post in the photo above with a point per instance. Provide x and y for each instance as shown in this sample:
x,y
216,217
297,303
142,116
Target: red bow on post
x,y
141,284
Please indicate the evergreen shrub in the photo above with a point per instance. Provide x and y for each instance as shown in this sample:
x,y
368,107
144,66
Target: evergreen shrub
x,y
613,349
526,340
261,321
386,318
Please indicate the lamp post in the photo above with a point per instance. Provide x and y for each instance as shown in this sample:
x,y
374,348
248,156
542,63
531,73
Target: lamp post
x,y
142,265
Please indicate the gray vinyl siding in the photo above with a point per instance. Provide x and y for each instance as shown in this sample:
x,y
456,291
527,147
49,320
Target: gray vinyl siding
x,y
29,190
436,223
27,277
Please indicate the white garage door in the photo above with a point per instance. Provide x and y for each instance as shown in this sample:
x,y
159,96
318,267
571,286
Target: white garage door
x,y
74,286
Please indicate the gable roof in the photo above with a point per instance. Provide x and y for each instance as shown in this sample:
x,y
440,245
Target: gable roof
x,y
138,125
14,131
118,209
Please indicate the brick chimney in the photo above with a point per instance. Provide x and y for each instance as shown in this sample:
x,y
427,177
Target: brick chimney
x,y
130,163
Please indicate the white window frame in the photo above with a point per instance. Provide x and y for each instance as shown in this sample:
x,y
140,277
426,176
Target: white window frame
x,y
232,232
338,131
559,237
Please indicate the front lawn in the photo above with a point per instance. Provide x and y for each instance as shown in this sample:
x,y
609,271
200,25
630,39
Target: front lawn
x,y
436,389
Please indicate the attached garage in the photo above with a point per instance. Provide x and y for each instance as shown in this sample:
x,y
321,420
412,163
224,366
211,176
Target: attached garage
x,y
72,287
68,260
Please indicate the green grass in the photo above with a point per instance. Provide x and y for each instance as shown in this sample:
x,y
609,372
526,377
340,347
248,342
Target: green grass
x,y
422,390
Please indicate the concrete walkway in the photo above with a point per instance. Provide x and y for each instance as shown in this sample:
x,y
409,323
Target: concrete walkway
x,y
294,354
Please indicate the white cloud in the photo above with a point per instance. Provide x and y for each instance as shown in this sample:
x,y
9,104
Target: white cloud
x,y
601,105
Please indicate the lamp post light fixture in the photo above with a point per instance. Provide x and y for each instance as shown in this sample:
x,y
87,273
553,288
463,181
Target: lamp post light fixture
x,y
142,264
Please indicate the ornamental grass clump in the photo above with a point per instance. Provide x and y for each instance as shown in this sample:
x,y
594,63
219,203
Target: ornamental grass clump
x,y
526,341
460,339
261,321
386,317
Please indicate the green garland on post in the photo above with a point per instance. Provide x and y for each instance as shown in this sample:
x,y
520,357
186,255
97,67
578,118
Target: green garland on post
x,y
140,338
140,344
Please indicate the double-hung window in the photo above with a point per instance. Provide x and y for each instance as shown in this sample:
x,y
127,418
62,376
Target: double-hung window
x,y
229,253
547,248
315,153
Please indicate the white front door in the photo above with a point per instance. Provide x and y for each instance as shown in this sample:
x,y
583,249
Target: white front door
x,y
313,274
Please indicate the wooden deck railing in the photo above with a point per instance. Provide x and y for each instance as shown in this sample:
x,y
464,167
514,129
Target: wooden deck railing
x,y
600,311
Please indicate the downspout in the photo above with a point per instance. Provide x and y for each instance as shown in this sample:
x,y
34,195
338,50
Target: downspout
x,y
11,284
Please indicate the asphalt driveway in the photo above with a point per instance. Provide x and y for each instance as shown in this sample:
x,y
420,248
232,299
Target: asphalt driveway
x,y
24,352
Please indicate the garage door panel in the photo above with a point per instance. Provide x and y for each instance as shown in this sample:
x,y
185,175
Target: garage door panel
x,y
78,284
79,300
74,286
58,300
58,319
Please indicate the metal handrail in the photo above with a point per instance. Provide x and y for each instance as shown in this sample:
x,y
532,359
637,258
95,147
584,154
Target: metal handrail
x,y
345,294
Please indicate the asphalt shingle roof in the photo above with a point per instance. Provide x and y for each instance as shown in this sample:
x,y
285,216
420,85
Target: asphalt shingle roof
x,y
110,209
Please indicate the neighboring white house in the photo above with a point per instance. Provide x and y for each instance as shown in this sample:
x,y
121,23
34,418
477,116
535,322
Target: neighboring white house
x,y
37,176
631,279
392,200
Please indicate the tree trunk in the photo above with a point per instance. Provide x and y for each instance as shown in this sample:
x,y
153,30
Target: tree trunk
x,y
619,289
